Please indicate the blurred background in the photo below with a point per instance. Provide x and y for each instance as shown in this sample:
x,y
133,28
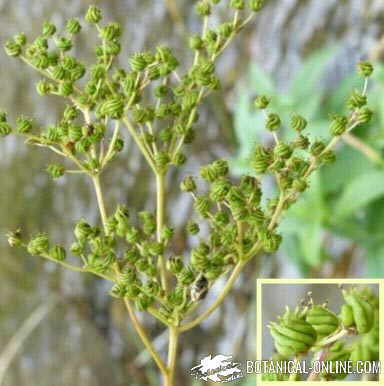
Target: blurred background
x,y
301,52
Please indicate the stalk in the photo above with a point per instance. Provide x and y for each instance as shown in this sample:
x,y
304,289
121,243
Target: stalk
x,y
172,355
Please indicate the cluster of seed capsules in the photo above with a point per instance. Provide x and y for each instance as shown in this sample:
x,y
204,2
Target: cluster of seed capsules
x,y
107,92
310,329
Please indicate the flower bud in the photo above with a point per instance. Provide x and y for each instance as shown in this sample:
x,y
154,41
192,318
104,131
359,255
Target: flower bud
x,y
193,228
175,264
202,206
364,115
317,148
138,62
283,150
356,100
20,39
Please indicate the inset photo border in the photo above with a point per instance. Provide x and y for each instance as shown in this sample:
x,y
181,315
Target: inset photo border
x,y
303,322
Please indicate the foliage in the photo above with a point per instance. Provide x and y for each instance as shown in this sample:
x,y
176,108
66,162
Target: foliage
x,y
343,198
311,328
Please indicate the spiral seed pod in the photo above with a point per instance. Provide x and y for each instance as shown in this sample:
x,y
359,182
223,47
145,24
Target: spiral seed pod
x,y
338,125
186,276
56,170
356,100
200,257
299,185
302,142
346,315
202,206
143,302
256,5
298,123
324,321
132,235
5,129
219,190
113,108
273,122
237,4
110,32
49,29
196,42
175,264
365,69
93,15
73,26
38,245
270,241
260,160
283,150
57,253
12,48
317,148
138,62
193,228
364,115
131,256
262,102
148,221
21,39
363,312
83,230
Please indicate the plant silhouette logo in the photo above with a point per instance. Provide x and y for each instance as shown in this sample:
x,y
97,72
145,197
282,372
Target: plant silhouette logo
x,y
219,368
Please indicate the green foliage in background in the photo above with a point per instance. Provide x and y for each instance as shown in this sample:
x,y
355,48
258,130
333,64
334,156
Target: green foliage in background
x,y
345,199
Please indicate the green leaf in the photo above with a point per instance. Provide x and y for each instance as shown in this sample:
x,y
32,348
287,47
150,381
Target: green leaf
x,y
364,189
261,82
307,79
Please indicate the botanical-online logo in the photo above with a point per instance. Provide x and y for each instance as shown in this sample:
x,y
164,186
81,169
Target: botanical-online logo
x,y
219,368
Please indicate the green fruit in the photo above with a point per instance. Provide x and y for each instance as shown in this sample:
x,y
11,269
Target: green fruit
x,y
363,312
346,315
324,321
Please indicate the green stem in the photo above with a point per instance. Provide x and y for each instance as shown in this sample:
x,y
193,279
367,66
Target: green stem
x,y
100,200
160,212
228,286
172,355
145,339
140,144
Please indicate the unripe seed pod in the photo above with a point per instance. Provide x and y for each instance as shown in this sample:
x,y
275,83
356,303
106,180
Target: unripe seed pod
x,y
83,230
262,102
93,14
57,253
365,69
324,321
338,125
56,170
363,312
346,315
356,100
283,150
273,122
298,123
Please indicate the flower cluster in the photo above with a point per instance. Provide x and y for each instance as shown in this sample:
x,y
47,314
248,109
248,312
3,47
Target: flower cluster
x,y
315,328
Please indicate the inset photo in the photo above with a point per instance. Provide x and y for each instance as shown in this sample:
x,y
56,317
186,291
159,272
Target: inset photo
x,y
319,330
